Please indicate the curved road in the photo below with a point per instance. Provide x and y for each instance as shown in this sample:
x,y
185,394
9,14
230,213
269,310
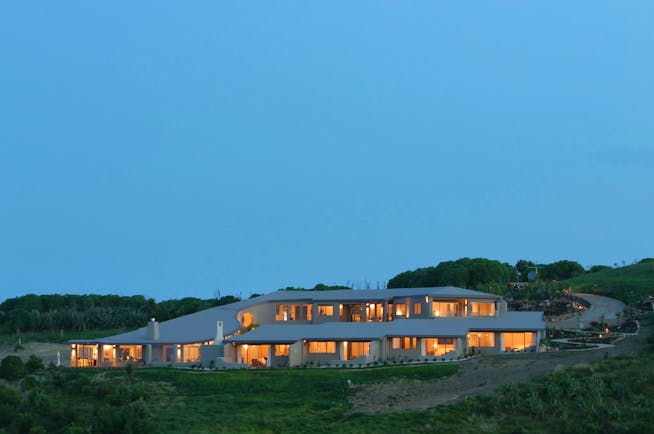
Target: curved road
x,y
599,305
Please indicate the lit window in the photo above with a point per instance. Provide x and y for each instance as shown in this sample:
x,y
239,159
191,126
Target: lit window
x,y
282,350
417,308
322,347
440,346
281,313
518,341
405,343
325,310
400,309
482,309
481,339
308,311
446,309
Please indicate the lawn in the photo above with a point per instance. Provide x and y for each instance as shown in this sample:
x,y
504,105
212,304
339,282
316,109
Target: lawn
x,y
629,284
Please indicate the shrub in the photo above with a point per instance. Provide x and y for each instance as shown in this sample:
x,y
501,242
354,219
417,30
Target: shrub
x,y
34,364
12,368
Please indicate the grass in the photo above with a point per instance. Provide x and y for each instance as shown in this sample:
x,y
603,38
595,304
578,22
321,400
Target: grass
x,y
58,337
284,400
630,283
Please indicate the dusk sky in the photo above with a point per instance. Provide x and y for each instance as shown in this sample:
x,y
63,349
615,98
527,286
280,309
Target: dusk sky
x,y
172,148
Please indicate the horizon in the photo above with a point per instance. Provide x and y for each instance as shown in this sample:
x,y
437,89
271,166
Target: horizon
x,y
171,150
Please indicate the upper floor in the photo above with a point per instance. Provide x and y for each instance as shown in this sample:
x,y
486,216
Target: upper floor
x,y
370,306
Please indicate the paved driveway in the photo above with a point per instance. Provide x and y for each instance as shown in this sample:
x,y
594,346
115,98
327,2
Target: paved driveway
x,y
599,305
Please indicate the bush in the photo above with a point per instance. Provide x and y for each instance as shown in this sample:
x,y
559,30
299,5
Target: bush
x,y
34,364
12,368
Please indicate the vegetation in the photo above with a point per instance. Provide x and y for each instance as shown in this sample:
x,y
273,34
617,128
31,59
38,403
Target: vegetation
x,y
464,272
630,283
80,313
318,287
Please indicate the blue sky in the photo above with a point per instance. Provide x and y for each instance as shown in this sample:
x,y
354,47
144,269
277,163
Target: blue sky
x,y
172,148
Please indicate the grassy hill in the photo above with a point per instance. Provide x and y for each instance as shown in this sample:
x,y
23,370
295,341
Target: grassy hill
x,y
629,284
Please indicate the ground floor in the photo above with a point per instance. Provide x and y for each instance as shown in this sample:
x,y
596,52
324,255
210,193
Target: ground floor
x,y
239,352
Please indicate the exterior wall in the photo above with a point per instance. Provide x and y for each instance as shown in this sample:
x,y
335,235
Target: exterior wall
x,y
209,353
401,353
322,358
279,361
318,319
296,354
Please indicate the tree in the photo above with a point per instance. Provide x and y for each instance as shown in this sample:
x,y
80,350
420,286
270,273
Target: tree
x,y
12,368
562,270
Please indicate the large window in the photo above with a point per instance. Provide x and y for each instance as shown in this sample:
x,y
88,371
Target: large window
x,y
518,341
445,309
482,309
375,312
481,339
325,310
322,347
255,355
295,311
405,343
281,313
191,353
357,349
400,309
440,346
307,311
282,349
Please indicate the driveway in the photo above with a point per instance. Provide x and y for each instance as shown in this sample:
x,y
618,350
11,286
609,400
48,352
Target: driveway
x,y
599,305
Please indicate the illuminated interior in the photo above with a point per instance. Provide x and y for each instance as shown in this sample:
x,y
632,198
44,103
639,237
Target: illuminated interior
x,y
518,341
307,310
317,347
128,353
191,353
482,309
400,309
374,312
281,312
356,349
84,355
481,339
255,355
247,319
440,346
405,343
417,308
325,310
446,309
282,350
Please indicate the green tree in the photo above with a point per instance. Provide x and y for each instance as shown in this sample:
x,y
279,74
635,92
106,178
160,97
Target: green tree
x,y
12,368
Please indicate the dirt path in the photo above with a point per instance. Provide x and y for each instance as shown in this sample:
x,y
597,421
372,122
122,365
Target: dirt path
x,y
477,376
47,351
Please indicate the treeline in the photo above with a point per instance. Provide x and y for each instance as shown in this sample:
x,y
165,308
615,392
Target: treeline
x,y
37,313
480,273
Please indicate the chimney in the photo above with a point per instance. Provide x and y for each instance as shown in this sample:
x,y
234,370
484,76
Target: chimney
x,y
152,333
219,333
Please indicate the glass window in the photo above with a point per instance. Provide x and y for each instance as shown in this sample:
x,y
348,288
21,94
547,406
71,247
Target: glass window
x,y
295,312
307,311
445,309
417,308
482,309
400,309
481,339
440,346
322,347
325,310
358,349
282,350
518,341
405,343
281,313
191,353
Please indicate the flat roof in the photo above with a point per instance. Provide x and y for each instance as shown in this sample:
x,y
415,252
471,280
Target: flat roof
x,y
201,326
431,327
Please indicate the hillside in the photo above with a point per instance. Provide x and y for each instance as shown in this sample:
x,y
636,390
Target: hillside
x,y
630,283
